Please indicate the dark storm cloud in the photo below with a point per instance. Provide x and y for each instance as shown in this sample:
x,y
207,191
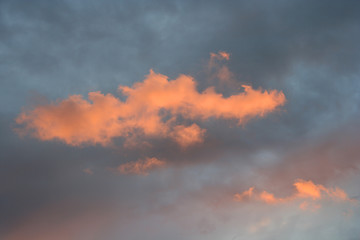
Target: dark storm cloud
x,y
307,49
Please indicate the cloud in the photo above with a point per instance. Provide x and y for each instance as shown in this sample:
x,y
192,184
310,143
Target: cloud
x,y
157,107
140,167
186,136
306,191
216,68
224,74
306,48
221,55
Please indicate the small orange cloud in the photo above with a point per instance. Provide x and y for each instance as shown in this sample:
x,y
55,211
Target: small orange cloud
x,y
152,108
304,190
216,58
246,195
140,167
307,189
268,197
220,55
224,55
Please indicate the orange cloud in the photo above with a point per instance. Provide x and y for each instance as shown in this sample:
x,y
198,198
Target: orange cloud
x,y
152,109
186,136
220,56
246,195
140,167
305,190
75,120
268,197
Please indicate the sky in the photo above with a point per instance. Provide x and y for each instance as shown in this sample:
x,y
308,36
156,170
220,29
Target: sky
x,y
156,120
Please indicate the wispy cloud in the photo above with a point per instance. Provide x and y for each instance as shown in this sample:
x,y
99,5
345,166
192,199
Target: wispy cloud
x,y
306,191
141,166
218,70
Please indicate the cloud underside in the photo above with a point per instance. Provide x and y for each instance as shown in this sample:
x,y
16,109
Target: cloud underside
x,y
157,107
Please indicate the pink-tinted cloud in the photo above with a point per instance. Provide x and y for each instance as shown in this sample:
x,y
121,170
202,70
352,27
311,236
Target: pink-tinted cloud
x,y
221,55
306,191
151,109
141,166
186,136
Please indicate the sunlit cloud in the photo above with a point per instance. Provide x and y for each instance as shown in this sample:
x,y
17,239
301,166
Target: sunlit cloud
x,y
141,166
186,136
153,108
221,55
305,191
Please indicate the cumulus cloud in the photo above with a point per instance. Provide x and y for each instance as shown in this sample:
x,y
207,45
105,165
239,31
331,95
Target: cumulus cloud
x,y
306,191
141,166
157,107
